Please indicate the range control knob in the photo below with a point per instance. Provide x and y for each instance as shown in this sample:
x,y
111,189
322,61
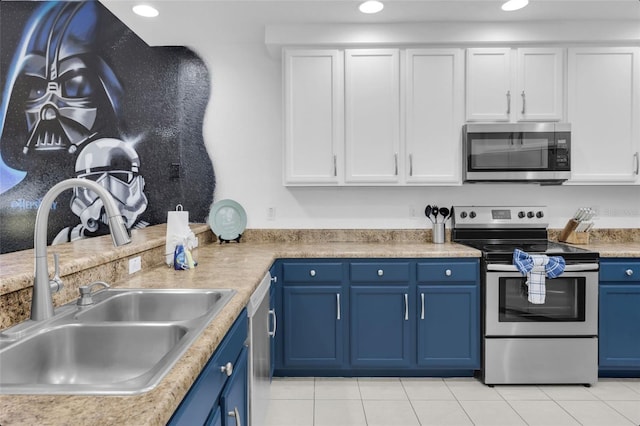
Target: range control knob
x,y
472,214
521,214
463,214
540,214
529,215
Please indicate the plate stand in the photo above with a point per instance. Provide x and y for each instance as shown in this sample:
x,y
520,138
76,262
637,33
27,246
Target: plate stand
x,y
237,239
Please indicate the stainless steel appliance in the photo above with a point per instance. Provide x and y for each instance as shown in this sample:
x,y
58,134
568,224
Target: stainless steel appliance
x,y
518,152
259,352
523,342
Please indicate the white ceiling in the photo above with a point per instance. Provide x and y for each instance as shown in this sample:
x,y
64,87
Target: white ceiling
x,y
248,18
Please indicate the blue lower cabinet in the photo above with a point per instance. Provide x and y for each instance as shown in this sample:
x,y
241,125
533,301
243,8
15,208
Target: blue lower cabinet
x,y
203,399
233,401
619,317
380,326
313,329
448,326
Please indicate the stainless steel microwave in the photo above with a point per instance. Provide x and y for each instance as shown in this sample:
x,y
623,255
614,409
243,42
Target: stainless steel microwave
x,y
517,152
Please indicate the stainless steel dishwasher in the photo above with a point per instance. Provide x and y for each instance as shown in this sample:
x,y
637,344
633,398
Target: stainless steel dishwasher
x,y
259,352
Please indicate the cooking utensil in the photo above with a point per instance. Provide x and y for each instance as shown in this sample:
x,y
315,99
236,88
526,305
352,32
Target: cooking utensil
x,y
434,211
445,212
427,212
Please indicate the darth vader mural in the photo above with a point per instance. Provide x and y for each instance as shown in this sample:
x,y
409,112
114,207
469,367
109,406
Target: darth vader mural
x,y
83,96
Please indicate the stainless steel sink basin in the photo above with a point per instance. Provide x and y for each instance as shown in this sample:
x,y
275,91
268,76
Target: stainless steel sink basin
x,y
123,344
154,305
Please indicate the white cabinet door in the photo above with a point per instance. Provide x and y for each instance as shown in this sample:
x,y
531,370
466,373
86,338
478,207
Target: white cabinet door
x,y
372,115
434,115
489,84
604,112
524,84
313,109
539,90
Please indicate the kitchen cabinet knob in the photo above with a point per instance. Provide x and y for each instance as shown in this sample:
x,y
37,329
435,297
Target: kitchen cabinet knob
x,y
629,272
448,272
380,272
227,368
312,272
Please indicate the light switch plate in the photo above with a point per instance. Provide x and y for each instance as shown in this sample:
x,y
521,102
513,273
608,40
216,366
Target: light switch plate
x,y
135,264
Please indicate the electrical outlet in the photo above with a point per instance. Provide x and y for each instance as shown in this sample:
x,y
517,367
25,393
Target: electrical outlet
x,y
135,264
271,213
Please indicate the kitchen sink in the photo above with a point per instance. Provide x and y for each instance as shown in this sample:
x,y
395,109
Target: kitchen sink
x,y
154,305
123,344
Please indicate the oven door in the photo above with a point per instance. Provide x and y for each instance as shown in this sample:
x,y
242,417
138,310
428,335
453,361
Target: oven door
x,y
570,308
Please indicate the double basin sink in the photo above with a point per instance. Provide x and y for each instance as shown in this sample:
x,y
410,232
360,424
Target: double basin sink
x,y
122,344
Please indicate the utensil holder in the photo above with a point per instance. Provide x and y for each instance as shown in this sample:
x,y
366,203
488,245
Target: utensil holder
x,y
438,233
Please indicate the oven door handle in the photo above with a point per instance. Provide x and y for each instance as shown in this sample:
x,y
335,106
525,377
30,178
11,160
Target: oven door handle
x,y
568,268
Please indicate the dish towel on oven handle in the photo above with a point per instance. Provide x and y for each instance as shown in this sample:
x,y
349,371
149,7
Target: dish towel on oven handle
x,y
535,267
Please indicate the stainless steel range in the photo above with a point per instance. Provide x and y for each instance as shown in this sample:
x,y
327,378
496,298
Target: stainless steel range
x,y
525,343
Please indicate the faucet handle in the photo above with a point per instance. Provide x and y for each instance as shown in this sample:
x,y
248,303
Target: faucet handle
x,y
56,283
85,292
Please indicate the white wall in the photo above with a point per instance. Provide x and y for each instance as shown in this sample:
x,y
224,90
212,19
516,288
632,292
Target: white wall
x,y
243,132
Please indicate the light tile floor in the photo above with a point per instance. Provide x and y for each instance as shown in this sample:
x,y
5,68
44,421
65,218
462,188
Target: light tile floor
x,y
324,401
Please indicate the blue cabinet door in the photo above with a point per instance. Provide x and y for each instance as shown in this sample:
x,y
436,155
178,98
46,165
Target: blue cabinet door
x,y
380,318
313,326
448,326
233,400
619,328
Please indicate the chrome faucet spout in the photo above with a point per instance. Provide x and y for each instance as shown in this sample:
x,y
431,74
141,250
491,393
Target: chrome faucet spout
x,y
41,301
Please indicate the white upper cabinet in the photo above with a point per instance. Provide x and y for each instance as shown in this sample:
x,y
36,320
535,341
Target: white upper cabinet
x,y
434,115
372,115
313,109
604,112
523,84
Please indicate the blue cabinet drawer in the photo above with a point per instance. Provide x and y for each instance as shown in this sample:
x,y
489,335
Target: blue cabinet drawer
x,y
620,270
442,272
383,272
312,272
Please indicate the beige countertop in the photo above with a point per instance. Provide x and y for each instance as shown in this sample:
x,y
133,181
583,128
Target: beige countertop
x,y
237,266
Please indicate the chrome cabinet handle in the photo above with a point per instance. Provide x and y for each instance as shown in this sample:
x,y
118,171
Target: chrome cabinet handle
x,y
410,164
508,102
636,158
274,280
227,368
272,312
395,160
448,272
338,306
629,272
406,307
312,272
422,303
380,272
523,102
335,166
236,414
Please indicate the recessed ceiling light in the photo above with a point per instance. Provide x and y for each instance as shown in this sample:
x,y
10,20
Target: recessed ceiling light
x,y
371,6
145,10
514,5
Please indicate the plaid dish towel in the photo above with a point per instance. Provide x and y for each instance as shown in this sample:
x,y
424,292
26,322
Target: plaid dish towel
x,y
536,267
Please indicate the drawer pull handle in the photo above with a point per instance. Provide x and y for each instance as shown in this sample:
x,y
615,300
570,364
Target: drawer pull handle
x,y
422,309
312,272
629,272
380,272
338,309
227,368
448,272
